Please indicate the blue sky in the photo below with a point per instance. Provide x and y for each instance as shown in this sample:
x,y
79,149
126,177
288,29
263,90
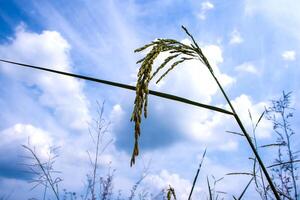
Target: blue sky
x,y
252,45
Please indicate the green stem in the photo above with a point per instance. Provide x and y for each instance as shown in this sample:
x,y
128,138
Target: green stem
x,y
252,146
206,63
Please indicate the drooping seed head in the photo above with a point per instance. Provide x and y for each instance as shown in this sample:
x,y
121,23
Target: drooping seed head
x,y
177,50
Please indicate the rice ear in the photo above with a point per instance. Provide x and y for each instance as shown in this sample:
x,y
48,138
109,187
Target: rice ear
x,y
175,48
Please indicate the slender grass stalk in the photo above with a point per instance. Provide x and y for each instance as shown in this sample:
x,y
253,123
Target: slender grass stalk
x,y
284,163
209,189
45,172
187,52
244,191
138,183
99,131
254,127
248,138
196,177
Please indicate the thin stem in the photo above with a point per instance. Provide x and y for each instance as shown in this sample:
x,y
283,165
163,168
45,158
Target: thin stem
x,y
256,147
47,175
248,139
209,189
245,189
201,55
45,191
285,127
282,163
95,168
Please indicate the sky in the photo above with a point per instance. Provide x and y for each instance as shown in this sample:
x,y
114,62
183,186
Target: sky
x,y
253,47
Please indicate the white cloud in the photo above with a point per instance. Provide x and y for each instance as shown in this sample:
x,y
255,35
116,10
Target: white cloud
x,y
205,7
12,138
229,146
62,94
247,67
189,156
116,113
288,55
165,178
208,129
235,37
243,105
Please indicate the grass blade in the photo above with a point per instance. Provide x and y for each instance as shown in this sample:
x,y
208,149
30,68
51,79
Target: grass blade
x,y
209,189
245,189
196,177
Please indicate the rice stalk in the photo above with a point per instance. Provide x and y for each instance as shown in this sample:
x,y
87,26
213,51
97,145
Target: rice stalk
x,y
192,51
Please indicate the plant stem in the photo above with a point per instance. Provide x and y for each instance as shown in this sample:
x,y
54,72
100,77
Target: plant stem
x,y
47,175
248,139
260,171
204,60
291,159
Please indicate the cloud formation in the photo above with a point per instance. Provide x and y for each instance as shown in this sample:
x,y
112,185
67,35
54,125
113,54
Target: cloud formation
x,y
247,67
12,154
205,7
235,37
64,96
288,55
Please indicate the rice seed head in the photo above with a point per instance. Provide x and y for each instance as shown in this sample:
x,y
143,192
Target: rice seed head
x,y
177,50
